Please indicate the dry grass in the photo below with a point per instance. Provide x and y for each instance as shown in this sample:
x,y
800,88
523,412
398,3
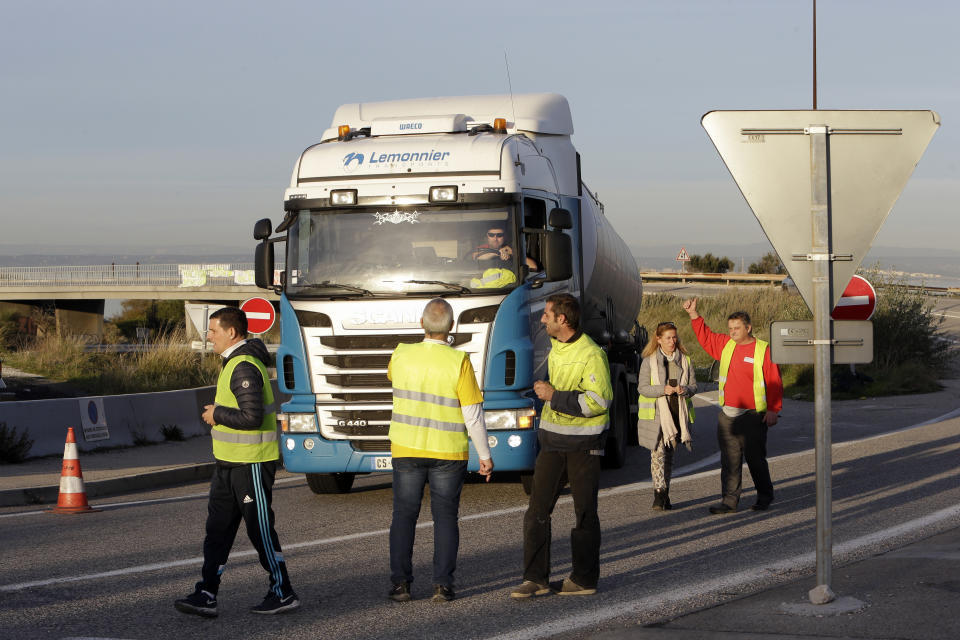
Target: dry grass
x,y
165,366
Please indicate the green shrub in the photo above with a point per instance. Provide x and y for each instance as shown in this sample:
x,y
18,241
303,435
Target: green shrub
x,y
13,448
172,432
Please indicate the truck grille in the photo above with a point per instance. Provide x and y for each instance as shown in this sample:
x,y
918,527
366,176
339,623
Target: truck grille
x,y
370,445
349,375
388,341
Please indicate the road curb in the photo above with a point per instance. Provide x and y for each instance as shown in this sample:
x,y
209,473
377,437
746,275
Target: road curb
x,y
110,487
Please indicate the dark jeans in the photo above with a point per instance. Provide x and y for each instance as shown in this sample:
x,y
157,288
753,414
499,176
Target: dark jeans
x,y
583,471
743,437
244,493
446,481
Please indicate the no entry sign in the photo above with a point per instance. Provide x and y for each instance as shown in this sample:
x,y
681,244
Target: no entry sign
x,y
260,314
858,302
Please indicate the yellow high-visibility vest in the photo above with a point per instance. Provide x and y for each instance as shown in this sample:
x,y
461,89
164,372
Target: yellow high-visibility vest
x,y
579,366
494,279
647,407
759,388
427,421
245,445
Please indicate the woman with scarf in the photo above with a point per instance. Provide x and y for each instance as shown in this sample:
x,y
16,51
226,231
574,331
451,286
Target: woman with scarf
x,y
667,384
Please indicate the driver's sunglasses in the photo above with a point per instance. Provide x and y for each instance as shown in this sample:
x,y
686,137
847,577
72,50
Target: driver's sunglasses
x,y
494,235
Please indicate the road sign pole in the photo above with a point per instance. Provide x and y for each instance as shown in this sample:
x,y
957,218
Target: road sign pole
x,y
822,271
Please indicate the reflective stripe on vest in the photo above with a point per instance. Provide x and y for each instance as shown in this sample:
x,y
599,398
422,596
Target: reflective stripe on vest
x,y
427,421
494,279
759,388
245,445
647,407
569,364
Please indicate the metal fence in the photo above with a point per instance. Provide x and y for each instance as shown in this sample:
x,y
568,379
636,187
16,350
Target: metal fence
x,y
169,275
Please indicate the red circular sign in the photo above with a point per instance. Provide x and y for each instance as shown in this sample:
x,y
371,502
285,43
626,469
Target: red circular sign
x,y
260,314
858,302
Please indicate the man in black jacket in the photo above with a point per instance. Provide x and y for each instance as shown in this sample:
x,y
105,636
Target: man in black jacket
x,y
244,434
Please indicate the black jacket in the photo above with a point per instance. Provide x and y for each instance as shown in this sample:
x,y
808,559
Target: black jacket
x,y
246,383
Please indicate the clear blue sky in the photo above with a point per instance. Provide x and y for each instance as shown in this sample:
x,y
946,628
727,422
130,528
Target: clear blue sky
x,y
127,123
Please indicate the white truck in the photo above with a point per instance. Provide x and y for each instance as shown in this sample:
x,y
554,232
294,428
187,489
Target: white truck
x,y
408,200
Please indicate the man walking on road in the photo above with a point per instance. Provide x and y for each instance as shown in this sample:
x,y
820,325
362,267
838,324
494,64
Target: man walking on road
x,y
572,438
750,396
436,404
244,438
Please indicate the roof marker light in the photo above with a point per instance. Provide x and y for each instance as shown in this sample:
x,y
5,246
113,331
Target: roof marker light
x,y
343,130
443,194
341,197
500,125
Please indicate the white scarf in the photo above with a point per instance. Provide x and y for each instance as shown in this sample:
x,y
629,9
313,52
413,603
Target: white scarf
x,y
667,428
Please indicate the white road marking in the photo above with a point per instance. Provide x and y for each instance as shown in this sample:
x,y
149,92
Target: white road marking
x,y
636,486
724,584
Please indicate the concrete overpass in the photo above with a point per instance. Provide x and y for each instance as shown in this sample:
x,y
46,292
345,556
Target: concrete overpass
x,y
77,293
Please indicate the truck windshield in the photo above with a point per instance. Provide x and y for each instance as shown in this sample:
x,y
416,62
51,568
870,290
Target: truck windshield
x,y
390,250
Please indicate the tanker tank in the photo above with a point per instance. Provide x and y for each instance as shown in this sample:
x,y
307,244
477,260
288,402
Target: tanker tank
x,y
613,290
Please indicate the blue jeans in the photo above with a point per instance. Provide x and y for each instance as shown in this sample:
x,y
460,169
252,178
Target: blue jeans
x,y
446,482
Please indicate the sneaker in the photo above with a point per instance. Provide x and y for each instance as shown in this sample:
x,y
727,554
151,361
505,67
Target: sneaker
x,y
400,592
571,588
200,603
442,593
722,508
530,588
274,604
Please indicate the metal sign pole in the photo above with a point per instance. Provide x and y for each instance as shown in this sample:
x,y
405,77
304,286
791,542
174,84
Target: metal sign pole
x,y
821,256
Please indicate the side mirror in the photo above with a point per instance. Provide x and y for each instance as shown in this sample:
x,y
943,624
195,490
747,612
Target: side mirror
x,y
263,263
557,256
262,229
560,219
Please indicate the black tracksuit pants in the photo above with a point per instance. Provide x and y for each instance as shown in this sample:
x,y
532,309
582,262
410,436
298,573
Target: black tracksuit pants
x,y
243,492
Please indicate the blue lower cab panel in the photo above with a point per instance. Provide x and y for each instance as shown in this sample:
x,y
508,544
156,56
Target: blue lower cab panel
x,y
511,450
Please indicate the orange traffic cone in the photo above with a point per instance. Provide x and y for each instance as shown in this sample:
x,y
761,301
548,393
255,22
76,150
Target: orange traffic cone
x,y
73,497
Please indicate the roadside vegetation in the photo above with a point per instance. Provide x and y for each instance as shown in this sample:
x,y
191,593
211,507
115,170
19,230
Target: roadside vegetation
x,y
910,353
165,365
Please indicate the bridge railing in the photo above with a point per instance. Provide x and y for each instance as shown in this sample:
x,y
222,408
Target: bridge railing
x,y
161,275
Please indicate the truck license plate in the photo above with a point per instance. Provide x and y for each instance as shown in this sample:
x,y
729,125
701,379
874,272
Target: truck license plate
x,y
384,463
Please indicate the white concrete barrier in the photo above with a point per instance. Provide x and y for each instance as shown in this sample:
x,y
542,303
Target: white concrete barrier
x,y
110,421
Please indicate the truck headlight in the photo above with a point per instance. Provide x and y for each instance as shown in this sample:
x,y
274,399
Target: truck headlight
x,y
297,422
509,419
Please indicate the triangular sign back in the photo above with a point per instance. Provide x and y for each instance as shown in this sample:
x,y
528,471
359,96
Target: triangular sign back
x,y
871,156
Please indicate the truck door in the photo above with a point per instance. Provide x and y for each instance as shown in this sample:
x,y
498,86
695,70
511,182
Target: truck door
x,y
536,208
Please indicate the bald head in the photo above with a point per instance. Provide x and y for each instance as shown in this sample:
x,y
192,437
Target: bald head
x,y
437,317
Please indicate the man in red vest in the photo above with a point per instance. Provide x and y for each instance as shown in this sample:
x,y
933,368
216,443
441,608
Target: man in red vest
x,y
750,397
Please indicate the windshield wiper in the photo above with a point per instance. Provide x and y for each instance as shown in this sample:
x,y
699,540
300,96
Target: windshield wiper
x,y
448,285
345,287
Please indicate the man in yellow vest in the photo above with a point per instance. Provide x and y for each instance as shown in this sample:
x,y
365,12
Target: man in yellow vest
x,y
750,397
572,438
244,434
436,406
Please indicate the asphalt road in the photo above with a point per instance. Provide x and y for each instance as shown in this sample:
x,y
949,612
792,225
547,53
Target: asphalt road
x,y
115,573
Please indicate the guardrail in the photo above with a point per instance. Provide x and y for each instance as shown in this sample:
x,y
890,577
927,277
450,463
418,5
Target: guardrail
x,y
768,279
129,275
724,278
